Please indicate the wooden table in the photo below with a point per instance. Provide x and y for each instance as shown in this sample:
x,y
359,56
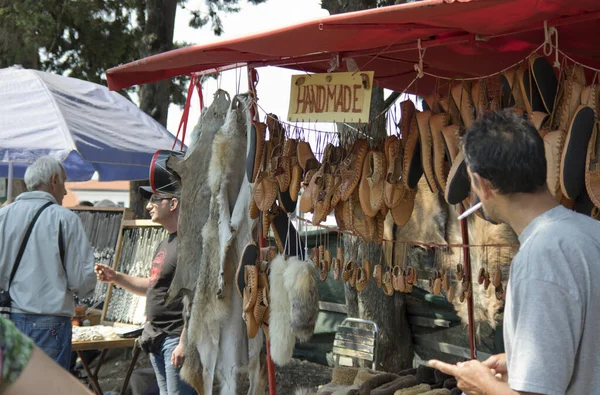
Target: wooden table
x,y
106,345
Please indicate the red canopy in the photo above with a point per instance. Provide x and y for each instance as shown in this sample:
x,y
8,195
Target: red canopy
x,y
464,38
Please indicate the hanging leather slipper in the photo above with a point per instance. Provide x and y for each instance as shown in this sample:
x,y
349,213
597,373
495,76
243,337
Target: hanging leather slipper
x,y
285,201
361,279
590,96
572,166
306,199
426,148
295,182
371,185
553,143
249,256
407,112
479,93
306,158
570,99
351,168
529,90
413,169
255,150
441,166
250,291
458,185
265,191
402,211
362,224
511,93
450,137
461,94
592,168
545,81
386,282
432,103
450,108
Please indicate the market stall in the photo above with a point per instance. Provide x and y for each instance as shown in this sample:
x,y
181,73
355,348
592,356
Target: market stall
x,y
464,58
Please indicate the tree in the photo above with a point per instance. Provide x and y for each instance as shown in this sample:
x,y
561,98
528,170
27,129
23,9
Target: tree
x,y
83,38
395,347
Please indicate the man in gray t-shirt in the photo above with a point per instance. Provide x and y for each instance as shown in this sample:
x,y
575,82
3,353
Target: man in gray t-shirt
x,y
552,307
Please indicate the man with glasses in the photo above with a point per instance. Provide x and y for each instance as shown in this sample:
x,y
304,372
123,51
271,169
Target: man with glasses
x,y
163,333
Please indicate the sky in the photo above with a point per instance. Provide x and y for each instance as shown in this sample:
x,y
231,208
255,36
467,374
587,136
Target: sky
x,y
274,83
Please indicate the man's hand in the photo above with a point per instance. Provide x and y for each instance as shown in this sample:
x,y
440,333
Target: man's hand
x,y
178,356
472,377
497,363
105,273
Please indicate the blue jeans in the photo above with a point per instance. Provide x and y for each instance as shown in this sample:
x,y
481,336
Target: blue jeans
x,y
50,333
167,375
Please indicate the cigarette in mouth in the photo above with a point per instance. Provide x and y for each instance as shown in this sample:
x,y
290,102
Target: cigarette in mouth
x,y
470,211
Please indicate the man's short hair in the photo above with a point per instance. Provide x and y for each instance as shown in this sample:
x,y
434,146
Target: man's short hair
x,y
41,171
506,149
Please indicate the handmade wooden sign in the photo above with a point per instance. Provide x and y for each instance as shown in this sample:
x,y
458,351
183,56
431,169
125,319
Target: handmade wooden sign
x,y
331,97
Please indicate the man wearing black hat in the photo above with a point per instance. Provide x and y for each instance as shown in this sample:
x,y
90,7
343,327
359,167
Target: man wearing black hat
x,y
163,333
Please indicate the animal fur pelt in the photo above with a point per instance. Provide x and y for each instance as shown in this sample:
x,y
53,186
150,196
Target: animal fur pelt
x,y
427,224
280,326
195,194
299,280
304,391
434,221
216,327
481,232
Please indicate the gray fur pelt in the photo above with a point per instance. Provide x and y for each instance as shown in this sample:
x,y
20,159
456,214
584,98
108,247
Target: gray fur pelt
x,y
227,229
195,194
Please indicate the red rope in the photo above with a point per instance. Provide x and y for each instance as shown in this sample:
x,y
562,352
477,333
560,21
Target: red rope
x,y
194,83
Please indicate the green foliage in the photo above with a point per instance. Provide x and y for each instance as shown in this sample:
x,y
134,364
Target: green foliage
x,y
84,38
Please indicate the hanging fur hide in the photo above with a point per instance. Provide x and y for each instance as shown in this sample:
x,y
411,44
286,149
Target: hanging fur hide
x,y
299,280
280,326
216,328
195,195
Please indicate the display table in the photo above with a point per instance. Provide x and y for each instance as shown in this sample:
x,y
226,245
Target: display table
x,y
105,345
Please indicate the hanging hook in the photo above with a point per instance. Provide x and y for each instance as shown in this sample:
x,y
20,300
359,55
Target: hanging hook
x,y
548,46
419,67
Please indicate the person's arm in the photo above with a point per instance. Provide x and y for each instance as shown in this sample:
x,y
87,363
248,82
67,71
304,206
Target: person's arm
x,y
42,376
136,285
474,378
178,355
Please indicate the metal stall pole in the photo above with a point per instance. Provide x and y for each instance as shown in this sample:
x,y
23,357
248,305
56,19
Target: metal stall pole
x,y
467,259
252,80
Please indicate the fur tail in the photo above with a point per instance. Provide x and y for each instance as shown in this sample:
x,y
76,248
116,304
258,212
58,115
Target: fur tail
x,y
299,279
280,327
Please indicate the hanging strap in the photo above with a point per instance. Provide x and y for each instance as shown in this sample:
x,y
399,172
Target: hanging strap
x,y
24,243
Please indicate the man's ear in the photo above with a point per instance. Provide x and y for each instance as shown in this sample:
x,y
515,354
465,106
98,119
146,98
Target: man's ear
x,y
174,204
484,186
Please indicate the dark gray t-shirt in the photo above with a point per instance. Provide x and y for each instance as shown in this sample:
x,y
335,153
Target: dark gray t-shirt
x,y
552,313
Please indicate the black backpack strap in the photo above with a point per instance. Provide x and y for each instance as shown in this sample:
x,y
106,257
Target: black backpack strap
x,y
24,243
61,246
